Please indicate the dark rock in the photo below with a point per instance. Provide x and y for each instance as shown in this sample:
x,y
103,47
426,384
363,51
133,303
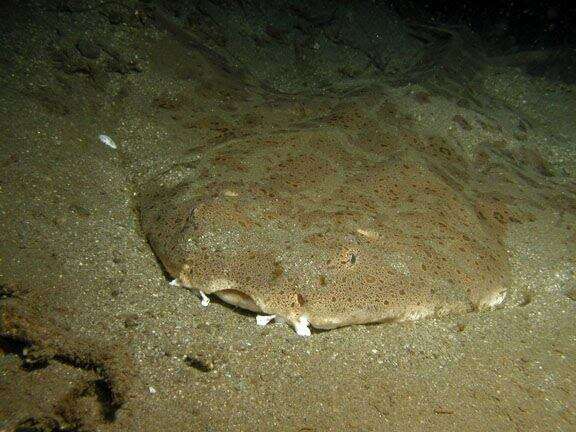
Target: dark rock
x,y
88,49
200,361
73,6
131,321
69,61
6,291
116,14
462,122
123,66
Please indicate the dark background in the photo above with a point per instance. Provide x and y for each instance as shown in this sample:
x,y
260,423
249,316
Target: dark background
x,y
522,24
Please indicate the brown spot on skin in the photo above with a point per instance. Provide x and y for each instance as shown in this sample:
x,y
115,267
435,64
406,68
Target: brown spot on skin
x,y
369,279
300,299
278,270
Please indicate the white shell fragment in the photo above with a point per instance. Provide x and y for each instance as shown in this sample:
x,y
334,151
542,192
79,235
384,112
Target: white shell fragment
x,y
263,320
106,140
495,300
302,326
152,390
205,300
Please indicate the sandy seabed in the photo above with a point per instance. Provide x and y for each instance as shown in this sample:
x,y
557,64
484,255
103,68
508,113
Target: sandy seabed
x,y
94,337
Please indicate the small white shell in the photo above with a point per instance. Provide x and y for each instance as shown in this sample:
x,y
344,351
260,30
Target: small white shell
x,y
205,300
106,140
302,326
262,320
